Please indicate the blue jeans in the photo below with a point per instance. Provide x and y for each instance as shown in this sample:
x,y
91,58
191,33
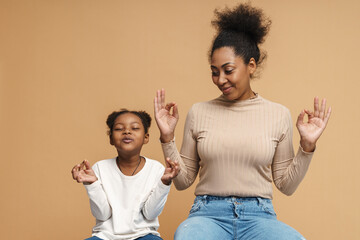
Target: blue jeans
x,y
146,237
233,218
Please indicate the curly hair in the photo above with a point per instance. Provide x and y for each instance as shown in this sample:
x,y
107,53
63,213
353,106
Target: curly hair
x,y
242,28
144,117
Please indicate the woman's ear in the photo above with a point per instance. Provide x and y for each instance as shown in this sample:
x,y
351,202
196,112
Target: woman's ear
x,y
146,138
252,66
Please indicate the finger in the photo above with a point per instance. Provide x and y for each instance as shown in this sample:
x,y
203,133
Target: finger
x,y
175,111
73,169
316,107
159,99
309,113
327,116
167,162
82,165
169,106
74,173
162,98
79,179
76,167
322,109
156,100
172,164
156,109
300,119
87,165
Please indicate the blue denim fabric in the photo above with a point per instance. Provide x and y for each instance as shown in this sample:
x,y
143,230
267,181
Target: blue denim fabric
x,y
149,237
146,237
93,238
234,218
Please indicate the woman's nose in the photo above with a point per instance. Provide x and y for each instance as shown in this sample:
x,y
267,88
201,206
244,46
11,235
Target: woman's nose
x,y
222,79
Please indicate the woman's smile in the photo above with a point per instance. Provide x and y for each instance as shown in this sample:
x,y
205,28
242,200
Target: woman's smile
x,y
226,90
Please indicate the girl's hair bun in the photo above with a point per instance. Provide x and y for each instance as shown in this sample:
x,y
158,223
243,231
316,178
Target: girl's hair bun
x,y
144,117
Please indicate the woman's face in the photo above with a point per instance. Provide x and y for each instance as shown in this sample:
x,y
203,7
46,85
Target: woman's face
x,y
231,75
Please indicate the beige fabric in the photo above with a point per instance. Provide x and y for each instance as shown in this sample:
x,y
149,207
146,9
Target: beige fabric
x,y
238,148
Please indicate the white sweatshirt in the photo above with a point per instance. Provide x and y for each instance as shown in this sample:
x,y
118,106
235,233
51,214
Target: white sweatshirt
x,y
126,207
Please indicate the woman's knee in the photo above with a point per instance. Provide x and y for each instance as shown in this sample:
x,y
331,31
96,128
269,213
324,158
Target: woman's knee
x,y
271,229
200,228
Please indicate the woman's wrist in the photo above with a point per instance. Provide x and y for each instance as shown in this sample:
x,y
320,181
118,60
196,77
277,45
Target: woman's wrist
x,y
307,146
166,138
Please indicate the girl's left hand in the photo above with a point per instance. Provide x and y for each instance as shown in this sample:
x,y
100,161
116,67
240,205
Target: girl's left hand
x,y
171,171
311,130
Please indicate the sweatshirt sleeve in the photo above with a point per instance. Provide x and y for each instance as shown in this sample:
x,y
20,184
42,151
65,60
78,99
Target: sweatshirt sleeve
x,y
100,207
155,202
289,170
188,159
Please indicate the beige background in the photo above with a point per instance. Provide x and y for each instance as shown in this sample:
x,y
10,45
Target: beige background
x,y
65,65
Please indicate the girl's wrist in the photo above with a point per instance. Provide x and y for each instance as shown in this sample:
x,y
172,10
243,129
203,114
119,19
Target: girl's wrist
x,y
166,182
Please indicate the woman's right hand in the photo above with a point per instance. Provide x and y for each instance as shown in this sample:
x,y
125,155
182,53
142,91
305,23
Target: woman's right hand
x,y
165,118
81,175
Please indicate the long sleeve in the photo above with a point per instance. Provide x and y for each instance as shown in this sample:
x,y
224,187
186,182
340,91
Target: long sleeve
x,y
155,202
238,148
288,171
126,207
188,159
99,204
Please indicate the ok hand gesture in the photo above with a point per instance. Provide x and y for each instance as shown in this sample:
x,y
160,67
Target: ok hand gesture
x,y
165,119
171,171
81,175
311,130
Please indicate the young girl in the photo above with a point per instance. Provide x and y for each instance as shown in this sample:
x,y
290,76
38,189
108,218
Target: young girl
x,y
127,193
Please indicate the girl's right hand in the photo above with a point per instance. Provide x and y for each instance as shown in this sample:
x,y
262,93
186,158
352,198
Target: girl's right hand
x,y
165,120
81,175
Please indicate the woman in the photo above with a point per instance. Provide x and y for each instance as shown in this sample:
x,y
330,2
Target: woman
x,y
239,142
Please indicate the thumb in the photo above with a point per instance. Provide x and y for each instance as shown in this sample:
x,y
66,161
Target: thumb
x,y
87,165
300,118
167,162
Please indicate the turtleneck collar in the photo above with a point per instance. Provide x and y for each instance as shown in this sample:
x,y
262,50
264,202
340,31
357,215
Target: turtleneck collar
x,y
253,99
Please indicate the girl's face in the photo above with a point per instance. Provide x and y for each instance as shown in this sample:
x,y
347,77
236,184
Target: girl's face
x,y
128,134
231,75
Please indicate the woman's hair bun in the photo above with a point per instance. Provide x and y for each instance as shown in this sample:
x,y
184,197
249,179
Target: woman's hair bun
x,y
243,19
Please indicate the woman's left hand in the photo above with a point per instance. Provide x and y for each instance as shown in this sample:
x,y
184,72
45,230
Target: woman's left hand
x,y
171,171
311,130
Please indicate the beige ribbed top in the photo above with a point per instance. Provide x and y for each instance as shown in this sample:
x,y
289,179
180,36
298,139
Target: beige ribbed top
x,y
238,148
